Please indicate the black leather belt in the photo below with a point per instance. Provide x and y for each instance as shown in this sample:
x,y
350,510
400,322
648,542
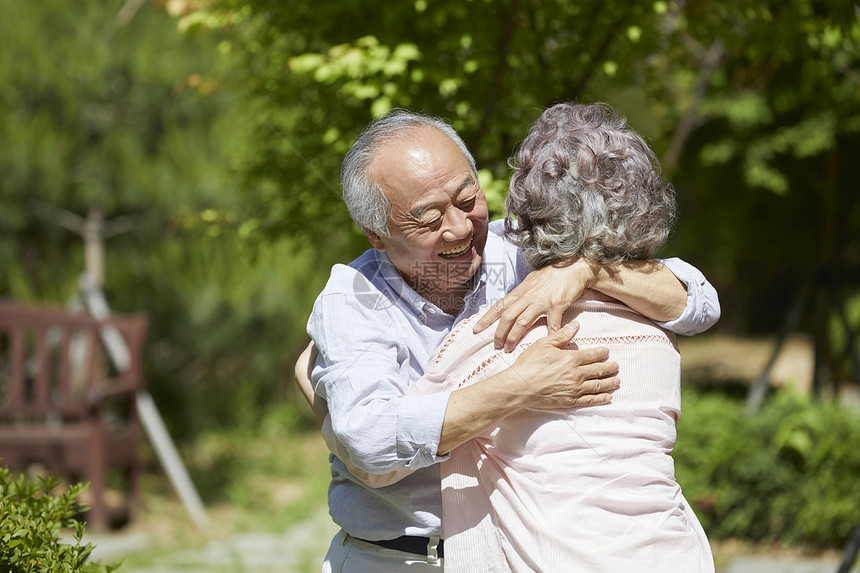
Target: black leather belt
x,y
410,544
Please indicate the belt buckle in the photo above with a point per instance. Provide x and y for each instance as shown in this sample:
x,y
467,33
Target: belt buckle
x,y
433,550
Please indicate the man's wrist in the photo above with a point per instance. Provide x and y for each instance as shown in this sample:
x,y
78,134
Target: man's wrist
x,y
646,286
503,394
473,409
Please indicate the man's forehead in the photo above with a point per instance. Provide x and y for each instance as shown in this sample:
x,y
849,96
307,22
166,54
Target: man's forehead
x,y
423,144
417,153
420,157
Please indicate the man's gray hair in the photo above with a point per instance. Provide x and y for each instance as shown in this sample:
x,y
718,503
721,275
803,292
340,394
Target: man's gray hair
x,y
586,185
368,206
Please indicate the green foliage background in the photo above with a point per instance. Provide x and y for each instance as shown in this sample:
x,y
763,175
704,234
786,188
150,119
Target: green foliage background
x,y
785,475
141,121
754,109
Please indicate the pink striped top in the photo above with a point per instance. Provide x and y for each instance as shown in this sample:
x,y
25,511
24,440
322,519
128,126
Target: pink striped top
x,y
589,490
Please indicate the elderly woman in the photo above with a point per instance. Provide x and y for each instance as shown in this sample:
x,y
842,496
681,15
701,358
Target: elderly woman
x,y
592,489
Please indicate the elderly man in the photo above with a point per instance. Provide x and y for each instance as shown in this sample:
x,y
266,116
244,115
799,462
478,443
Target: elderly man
x,y
411,184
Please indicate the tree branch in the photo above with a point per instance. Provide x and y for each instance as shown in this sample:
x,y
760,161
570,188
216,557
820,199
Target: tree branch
x,y
127,12
541,56
572,90
66,219
122,224
688,120
502,52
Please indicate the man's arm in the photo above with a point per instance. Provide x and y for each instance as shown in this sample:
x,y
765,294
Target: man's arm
x,y
361,372
588,382
303,367
544,376
703,303
648,287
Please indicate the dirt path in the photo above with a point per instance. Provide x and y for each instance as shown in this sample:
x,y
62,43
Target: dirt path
x,y
299,550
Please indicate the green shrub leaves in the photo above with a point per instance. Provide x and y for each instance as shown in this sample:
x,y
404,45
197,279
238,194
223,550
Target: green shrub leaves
x,y
31,517
788,474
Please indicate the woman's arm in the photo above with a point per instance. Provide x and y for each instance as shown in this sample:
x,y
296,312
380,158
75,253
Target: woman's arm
x,y
303,380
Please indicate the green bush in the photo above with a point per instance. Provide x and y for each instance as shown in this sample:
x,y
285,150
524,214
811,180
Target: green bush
x,y
787,474
31,517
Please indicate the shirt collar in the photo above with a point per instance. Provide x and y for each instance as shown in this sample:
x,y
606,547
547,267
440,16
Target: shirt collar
x,y
410,296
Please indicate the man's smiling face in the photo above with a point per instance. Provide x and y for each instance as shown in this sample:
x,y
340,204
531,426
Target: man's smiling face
x,y
438,225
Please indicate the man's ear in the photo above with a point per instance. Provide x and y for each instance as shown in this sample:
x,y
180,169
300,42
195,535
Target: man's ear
x,y
374,239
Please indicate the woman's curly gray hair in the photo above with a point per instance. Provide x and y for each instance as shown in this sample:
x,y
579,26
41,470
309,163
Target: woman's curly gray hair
x,y
586,185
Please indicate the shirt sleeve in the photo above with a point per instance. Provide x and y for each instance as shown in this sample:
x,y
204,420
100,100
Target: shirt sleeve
x,y
703,304
372,480
363,371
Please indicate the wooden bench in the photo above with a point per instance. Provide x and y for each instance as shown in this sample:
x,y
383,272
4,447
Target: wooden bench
x,y
64,405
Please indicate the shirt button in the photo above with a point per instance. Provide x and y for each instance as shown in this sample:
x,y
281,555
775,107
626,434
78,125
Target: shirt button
x,y
422,318
431,310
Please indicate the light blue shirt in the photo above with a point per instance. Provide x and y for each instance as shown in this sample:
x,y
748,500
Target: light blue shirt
x,y
375,335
